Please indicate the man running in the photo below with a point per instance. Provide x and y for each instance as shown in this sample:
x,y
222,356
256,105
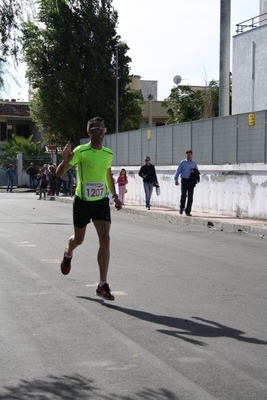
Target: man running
x,y
91,198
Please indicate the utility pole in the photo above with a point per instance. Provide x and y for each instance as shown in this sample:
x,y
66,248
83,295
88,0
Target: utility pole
x,y
119,44
225,32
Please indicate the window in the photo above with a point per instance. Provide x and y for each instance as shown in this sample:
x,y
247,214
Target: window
x,y
3,131
23,130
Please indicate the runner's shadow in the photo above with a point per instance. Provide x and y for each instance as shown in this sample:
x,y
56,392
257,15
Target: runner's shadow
x,y
188,330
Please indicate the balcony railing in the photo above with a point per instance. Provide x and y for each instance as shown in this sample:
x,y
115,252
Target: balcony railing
x,y
251,23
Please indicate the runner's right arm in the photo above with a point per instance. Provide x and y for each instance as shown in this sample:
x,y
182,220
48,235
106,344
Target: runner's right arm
x,y
64,166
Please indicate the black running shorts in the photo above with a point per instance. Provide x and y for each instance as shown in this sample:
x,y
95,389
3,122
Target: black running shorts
x,y
85,211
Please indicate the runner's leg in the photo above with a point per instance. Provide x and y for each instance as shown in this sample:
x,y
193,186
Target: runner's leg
x,y
76,239
103,228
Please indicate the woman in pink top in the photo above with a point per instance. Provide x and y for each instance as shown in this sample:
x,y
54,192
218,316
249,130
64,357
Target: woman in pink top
x,y
122,182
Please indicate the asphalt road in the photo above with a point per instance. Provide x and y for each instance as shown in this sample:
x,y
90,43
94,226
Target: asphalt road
x,y
189,320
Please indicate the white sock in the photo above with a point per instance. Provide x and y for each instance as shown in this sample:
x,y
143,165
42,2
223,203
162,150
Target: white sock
x,y
101,283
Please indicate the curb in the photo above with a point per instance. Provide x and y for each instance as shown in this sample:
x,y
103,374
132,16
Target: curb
x,y
198,221
207,222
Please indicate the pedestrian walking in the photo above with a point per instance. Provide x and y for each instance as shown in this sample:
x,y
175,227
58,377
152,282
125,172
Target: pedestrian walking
x,y
42,184
10,175
66,183
91,201
148,173
122,181
32,172
188,170
52,179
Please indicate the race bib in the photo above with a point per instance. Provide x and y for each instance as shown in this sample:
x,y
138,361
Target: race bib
x,y
93,190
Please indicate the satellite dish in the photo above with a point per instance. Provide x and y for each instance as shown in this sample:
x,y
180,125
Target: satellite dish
x,y
177,79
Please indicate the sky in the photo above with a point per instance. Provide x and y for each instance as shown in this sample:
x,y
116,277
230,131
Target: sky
x,y
168,38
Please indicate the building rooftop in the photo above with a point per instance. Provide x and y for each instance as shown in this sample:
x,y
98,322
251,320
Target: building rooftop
x,y
15,109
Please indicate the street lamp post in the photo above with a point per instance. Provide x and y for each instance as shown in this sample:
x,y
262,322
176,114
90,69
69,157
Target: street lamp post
x,y
119,44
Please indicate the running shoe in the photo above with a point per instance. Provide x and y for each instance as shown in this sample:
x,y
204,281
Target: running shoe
x,y
104,291
66,263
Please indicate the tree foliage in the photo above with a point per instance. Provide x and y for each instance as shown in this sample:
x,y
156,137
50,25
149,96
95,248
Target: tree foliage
x,y
10,11
9,27
27,146
211,100
70,53
12,14
187,104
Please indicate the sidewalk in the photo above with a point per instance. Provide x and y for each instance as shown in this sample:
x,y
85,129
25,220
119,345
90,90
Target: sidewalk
x,y
212,221
218,222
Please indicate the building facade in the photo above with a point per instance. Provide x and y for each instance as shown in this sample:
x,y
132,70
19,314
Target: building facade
x,y
15,118
153,112
249,65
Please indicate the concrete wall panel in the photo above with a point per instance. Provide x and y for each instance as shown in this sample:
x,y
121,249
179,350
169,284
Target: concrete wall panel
x,y
134,150
251,139
164,145
181,141
202,141
122,148
224,140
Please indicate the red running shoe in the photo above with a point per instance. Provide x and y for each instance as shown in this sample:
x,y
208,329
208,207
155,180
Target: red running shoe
x,y
104,291
66,263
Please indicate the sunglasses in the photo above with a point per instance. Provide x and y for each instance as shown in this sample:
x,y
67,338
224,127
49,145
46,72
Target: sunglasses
x,y
98,128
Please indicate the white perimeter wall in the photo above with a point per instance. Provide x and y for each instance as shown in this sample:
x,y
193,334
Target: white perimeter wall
x,y
234,190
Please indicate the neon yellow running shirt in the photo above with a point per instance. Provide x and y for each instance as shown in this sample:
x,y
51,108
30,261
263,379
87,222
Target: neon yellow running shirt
x,y
92,168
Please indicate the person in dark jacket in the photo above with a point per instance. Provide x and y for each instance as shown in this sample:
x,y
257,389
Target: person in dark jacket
x,y
188,170
32,172
10,175
148,173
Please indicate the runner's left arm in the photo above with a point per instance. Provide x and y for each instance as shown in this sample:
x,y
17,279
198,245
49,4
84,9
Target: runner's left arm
x,y
112,189
111,184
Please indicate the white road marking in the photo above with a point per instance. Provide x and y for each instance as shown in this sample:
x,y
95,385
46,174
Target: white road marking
x,y
118,293
92,284
26,245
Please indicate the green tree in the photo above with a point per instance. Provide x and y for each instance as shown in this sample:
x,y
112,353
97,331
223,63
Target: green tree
x,y
211,100
187,104
9,26
28,147
184,104
70,54
12,13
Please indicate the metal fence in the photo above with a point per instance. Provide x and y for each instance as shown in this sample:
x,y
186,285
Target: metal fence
x,y
38,161
215,141
251,23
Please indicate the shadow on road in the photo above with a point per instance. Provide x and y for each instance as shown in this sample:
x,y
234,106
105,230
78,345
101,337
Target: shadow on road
x,y
188,329
75,387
